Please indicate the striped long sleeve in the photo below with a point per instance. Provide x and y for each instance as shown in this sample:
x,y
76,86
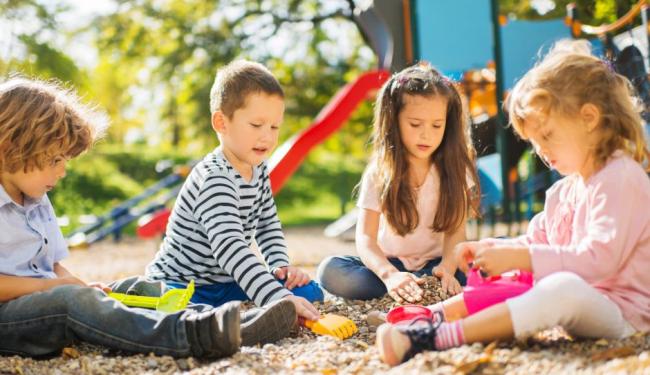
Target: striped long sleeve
x,y
210,232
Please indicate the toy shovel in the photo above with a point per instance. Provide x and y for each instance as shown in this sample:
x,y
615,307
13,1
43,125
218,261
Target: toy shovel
x,y
172,301
332,325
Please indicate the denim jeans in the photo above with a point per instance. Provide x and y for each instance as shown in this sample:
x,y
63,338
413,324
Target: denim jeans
x,y
43,323
348,277
219,293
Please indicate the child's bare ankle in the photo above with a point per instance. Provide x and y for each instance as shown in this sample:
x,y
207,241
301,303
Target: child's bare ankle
x,y
392,344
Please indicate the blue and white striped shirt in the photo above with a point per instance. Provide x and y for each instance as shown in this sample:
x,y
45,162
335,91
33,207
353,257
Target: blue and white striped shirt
x,y
210,232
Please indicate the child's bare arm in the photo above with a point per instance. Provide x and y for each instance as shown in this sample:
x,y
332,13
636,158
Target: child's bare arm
x,y
367,247
61,271
12,287
400,285
448,265
451,240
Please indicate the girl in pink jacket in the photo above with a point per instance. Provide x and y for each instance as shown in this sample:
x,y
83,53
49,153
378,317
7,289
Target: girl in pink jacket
x,y
589,250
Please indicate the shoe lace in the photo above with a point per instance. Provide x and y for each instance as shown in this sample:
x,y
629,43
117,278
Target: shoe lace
x,y
422,336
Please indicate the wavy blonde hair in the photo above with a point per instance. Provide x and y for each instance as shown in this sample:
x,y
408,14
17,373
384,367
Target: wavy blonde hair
x,y
568,77
41,120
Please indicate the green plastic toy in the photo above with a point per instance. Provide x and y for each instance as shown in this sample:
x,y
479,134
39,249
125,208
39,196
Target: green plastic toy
x,y
172,301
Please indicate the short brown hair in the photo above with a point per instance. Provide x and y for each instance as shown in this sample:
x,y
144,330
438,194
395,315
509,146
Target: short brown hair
x,y
235,81
41,120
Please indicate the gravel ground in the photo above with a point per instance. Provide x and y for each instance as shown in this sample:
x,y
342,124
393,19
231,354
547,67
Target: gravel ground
x,y
304,352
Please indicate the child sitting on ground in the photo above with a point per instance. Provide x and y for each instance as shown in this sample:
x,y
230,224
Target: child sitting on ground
x,y
226,202
415,195
43,307
589,250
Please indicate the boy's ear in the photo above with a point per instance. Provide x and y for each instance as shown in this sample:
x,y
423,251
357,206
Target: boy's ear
x,y
219,122
590,115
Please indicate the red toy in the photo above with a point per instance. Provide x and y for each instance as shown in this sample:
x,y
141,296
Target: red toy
x,y
407,313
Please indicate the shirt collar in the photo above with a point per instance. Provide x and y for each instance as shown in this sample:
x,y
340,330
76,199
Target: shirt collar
x,y
5,199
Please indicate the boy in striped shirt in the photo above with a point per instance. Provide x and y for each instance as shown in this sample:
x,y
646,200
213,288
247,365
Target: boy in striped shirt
x,y
226,203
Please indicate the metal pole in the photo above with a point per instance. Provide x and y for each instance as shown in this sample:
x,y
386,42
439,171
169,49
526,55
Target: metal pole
x,y
645,15
502,136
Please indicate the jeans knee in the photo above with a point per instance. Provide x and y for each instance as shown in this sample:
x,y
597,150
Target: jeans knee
x,y
344,278
71,297
331,275
324,271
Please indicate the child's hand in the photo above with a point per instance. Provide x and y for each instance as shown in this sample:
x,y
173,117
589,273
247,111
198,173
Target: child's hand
x,y
101,286
304,308
465,253
495,259
404,286
293,276
447,279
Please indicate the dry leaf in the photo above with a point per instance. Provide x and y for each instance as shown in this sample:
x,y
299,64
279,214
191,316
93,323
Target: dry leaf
x,y
612,353
490,348
471,366
69,353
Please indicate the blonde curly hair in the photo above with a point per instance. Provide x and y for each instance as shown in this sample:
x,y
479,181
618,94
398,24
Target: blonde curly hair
x,y
41,120
568,77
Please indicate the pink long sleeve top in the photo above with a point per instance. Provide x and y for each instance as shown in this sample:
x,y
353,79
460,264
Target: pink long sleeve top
x,y
599,229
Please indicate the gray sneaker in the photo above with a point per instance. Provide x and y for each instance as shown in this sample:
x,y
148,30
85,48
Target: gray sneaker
x,y
214,333
269,323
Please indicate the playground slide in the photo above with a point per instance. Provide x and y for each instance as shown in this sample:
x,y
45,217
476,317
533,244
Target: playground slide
x,y
287,158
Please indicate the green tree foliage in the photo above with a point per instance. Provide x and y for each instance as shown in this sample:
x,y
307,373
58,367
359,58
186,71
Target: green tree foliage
x,y
175,47
590,12
28,48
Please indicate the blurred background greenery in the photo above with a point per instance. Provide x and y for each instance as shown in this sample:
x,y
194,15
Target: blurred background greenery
x,y
150,65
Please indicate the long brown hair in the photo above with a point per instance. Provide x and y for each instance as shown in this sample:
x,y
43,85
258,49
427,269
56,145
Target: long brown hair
x,y
454,158
568,77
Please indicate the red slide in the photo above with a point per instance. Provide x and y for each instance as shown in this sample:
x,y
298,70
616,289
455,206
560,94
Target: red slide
x,y
286,159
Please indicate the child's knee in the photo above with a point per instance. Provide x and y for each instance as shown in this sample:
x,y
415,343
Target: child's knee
x,y
68,297
562,289
331,272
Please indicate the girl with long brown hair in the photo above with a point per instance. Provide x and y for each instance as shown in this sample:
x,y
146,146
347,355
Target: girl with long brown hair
x,y
415,194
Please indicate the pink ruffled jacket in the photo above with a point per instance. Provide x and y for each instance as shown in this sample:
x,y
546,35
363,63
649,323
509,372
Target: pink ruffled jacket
x,y
599,229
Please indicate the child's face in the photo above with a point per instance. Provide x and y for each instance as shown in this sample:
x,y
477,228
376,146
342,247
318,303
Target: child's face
x,y
35,183
422,125
251,133
562,143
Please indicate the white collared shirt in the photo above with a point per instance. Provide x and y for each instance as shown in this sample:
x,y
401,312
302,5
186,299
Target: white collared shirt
x,y
31,241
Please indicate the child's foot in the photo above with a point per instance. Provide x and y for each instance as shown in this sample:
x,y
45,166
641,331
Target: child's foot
x,y
398,343
214,333
268,324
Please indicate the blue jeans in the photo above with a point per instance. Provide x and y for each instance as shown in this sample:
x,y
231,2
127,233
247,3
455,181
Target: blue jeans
x,y
43,323
219,293
348,277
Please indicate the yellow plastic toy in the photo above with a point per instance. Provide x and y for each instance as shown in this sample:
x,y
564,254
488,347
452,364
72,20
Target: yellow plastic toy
x,y
333,325
172,301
